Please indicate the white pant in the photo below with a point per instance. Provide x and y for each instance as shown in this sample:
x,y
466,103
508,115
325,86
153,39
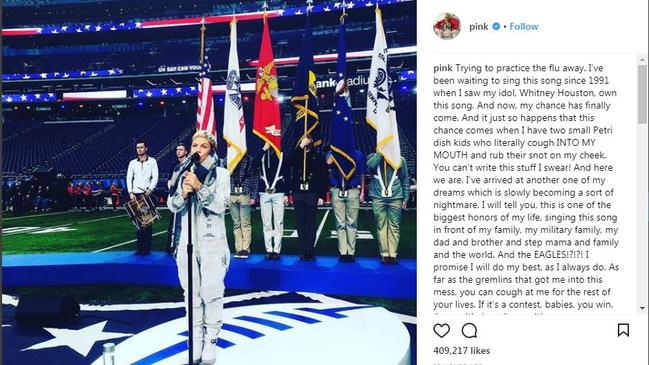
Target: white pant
x,y
272,216
210,262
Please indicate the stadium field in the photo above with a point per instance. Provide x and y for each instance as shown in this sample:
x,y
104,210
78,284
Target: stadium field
x,y
113,231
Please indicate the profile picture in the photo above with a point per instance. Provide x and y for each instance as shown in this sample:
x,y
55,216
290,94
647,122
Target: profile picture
x,y
447,26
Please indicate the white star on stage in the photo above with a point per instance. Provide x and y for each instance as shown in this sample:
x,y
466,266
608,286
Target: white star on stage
x,y
280,12
299,12
345,119
10,99
80,340
350,5
164,91
43,75
50,95
149,94
23,97
38,96
87,27
111,72
97,28
327,8
138,25
113,28
337,112
64,28
78,30
178,89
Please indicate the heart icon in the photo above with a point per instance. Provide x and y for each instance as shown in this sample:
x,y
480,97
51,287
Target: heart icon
x,y
441,329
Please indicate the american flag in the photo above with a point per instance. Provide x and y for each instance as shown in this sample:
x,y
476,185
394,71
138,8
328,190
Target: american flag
x,y
205,109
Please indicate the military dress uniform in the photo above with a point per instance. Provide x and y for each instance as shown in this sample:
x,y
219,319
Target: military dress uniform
x,y
272,187
389,189
242,189
345,199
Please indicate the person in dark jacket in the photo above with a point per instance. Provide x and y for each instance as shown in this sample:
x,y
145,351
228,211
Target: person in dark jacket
x,y
308,185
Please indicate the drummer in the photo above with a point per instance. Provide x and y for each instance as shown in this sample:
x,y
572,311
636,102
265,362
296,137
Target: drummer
x,y
141,179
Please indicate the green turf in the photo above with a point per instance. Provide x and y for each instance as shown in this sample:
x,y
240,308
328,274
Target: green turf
x,y
115,227
88,235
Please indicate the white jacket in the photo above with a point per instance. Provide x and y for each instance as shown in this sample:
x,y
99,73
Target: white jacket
x,y
208,203
142,175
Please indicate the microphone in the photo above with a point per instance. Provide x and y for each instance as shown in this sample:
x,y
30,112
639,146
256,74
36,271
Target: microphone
x,y
188,163
193,159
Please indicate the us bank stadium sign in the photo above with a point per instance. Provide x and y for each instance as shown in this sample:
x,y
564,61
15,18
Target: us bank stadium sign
x,y
359,80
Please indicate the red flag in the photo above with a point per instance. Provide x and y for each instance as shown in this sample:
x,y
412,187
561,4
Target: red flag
x,y
267,124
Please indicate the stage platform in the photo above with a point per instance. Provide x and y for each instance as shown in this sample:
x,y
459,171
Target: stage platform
x,y
366,277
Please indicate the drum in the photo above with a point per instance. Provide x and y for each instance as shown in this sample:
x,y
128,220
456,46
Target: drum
x,y
142,211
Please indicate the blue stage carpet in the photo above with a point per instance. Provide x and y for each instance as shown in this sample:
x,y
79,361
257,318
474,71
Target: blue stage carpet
x,y
365,277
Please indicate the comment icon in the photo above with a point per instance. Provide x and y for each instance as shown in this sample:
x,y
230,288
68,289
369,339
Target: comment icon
x,y
469,330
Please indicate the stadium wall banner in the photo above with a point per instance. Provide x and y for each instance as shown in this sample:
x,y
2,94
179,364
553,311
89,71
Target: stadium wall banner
x,y
95,95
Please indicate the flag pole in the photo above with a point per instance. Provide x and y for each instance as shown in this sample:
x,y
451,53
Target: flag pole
x,y
202,41
342,21
306,107
309,5
265,7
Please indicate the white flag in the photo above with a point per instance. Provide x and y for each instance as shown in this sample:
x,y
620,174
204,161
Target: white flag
x,y
234,126
380,104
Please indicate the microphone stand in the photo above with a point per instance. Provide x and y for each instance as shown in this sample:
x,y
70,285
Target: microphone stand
x,y
190,281
190,250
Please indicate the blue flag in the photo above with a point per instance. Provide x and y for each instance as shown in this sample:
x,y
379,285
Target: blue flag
x,y
343,142
304,100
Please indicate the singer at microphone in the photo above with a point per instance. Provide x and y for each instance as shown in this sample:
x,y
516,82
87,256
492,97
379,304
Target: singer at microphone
x,y
203,189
